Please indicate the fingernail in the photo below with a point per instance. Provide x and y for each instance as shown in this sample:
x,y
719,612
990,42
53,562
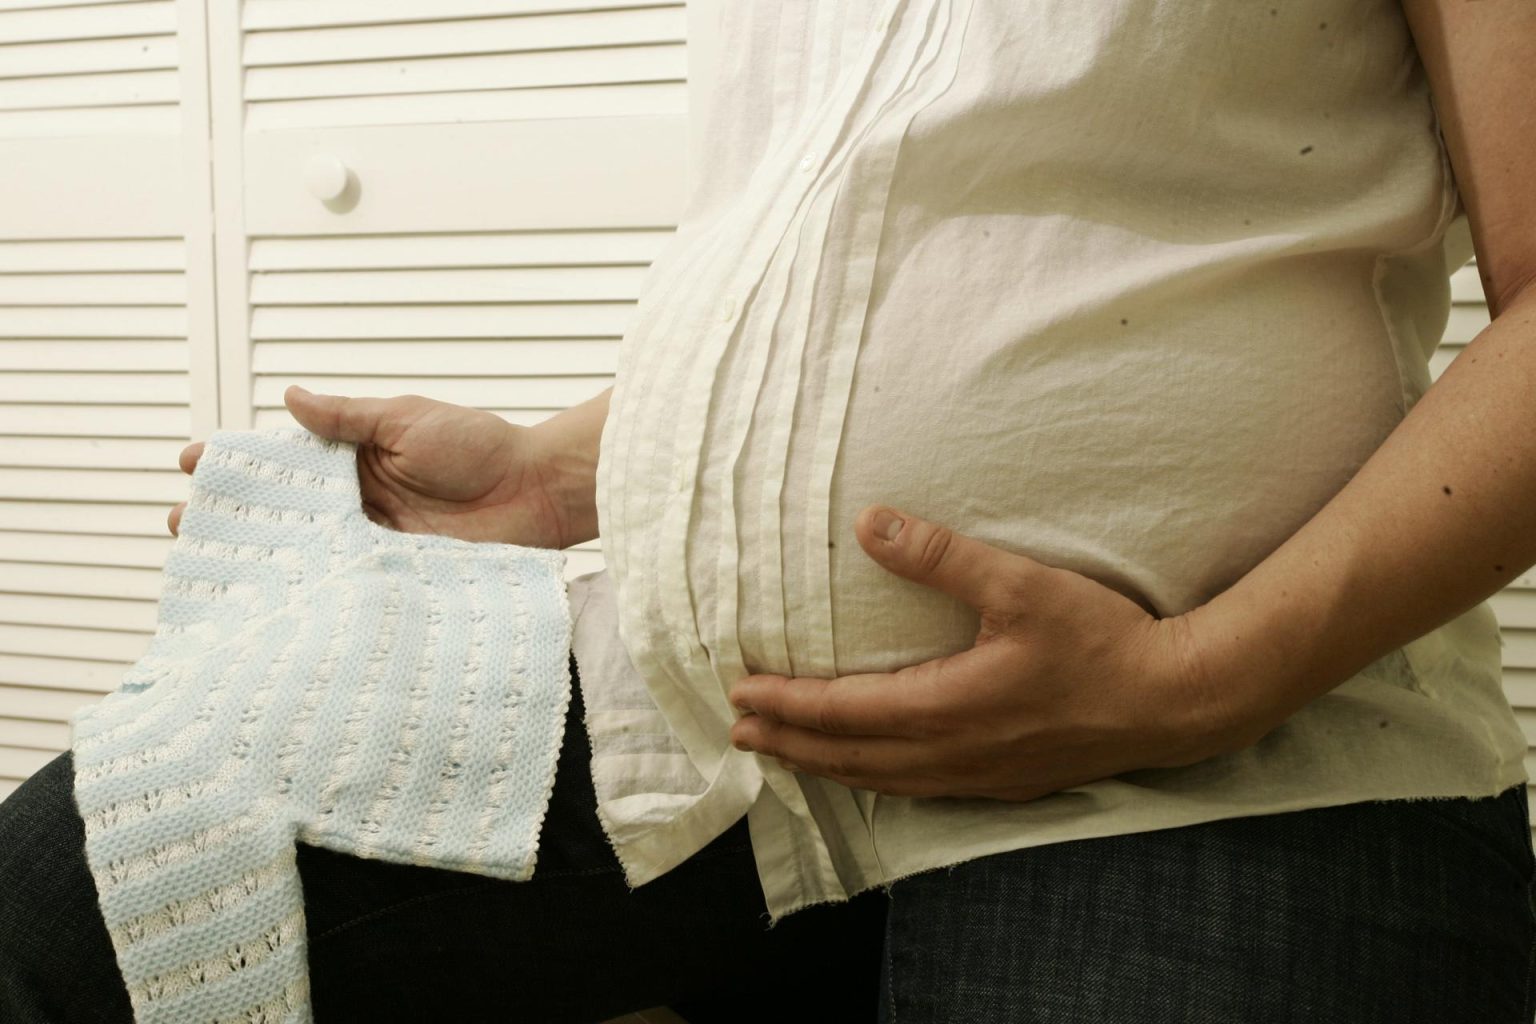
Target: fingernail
x,y
789,765
887,524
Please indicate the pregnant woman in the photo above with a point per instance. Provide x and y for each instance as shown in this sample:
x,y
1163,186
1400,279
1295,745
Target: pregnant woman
x,y
1041,581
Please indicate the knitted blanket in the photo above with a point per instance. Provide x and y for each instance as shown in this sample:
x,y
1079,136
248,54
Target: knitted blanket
x,y
313,677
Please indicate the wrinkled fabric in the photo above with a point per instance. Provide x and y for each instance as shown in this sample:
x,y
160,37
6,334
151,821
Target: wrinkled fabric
x,y
1132,288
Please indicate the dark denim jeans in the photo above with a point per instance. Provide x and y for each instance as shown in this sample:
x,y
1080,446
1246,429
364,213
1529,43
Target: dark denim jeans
x,y
1401,912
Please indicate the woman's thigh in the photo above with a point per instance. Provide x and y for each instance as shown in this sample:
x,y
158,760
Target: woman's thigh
x,y
1370,912
391,941
56,959
574,942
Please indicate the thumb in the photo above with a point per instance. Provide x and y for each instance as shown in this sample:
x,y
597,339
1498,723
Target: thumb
x,y
336,417
936,556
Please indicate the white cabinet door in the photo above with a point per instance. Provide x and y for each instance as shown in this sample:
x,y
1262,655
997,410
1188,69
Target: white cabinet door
x,y
453,198
106,342
169,262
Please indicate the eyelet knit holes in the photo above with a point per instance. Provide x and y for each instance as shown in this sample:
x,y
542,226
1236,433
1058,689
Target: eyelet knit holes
x,y
478,726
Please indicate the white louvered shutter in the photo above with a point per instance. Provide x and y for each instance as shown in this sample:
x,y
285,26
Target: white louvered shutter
x,y
511,170
106,342
165,268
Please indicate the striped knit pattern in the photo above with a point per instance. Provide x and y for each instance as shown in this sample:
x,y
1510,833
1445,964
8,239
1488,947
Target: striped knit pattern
x,y
313,677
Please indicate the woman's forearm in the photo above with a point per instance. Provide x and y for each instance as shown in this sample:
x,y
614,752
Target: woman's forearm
x,y
569,442
1442,516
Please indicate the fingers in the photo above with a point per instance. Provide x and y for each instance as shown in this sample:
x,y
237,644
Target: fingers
x,y
189,456
872,704
959,565
188,462
897,765
336,417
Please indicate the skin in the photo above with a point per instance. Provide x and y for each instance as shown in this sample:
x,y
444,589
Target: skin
x,y
1069,681
426,466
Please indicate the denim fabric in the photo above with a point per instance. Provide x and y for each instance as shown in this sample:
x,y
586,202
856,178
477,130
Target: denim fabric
x,y
1405,912
1408,912
393,942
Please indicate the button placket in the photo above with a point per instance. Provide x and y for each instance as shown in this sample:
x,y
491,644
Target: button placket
x,y
671,544
937,64
676,513
762,324
665,558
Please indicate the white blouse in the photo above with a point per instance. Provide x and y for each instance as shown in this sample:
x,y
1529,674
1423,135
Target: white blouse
x,y
1133,288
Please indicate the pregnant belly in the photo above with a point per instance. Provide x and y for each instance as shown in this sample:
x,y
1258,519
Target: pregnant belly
x,y
1167,491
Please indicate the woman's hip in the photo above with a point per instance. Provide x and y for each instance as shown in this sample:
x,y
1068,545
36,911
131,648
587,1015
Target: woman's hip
x,y
1375,911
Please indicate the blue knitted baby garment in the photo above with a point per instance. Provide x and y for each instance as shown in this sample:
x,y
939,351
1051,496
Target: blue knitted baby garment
x,y
313,677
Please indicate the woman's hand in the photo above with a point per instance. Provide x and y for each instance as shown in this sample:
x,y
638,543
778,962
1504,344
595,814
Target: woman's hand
x,y
426,466
1069,681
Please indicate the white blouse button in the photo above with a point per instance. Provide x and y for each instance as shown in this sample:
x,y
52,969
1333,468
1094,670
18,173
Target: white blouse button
x,y
808,161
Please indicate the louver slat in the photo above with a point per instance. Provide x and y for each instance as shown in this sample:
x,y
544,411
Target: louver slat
x,y
95,399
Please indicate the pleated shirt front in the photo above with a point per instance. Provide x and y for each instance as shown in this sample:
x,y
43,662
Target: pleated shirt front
x,y
1132,288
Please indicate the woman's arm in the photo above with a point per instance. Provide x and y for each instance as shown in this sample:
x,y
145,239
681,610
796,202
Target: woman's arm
x,y
1443,514
570,442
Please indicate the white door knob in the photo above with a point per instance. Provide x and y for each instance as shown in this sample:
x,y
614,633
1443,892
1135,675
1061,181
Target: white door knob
x,y
326,177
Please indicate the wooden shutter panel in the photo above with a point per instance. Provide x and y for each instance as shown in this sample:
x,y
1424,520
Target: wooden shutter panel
x,y
511,197
513,168
106,346
414,61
